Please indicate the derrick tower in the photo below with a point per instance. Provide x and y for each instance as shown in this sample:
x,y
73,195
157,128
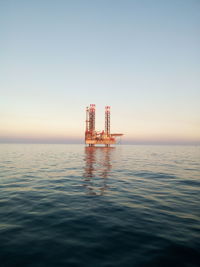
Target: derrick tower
x,y
107,120
92,118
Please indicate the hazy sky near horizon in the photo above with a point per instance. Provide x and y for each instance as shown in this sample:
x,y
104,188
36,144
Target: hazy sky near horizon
x,y
140,57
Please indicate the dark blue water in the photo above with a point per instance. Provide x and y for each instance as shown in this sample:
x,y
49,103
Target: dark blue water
x,y
67,205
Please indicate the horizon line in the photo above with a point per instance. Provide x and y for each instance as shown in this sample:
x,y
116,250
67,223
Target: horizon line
x,y
83,143
78,140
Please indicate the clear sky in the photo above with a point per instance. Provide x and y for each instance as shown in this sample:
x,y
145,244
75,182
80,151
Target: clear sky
x,y
141,57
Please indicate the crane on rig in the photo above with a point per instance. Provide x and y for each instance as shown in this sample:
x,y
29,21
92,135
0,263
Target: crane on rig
x,y
92,137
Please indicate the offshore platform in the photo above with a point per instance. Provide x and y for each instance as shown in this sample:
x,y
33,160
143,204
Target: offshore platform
x,y
93,137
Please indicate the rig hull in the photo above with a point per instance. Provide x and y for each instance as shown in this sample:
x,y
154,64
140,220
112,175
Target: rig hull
x,y
100,142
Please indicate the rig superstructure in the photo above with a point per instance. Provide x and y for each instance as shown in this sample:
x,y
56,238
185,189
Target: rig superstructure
x,y
93,137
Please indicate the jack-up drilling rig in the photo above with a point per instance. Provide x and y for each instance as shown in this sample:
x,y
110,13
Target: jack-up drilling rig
x,y
92,137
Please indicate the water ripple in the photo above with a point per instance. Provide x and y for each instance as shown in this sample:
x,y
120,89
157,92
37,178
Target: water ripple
x,y
67,205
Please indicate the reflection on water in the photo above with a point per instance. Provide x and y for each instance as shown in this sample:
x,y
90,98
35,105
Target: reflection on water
x,y
97,168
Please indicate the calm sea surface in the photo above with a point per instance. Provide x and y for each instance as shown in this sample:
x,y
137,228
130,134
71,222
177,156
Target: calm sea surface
x,y
67,205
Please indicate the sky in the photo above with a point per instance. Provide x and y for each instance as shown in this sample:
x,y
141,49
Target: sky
x,y
141,57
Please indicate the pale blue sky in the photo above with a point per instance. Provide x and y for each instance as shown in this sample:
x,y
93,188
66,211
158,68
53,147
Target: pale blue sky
x,y
140,57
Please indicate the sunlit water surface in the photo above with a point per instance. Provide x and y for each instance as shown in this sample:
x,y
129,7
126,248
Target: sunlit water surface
x,y
67,205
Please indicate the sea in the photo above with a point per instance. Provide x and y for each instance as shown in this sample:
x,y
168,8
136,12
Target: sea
x,y
71,205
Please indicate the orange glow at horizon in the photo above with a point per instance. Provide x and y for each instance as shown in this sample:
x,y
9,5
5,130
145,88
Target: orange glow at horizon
x,y
143,128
